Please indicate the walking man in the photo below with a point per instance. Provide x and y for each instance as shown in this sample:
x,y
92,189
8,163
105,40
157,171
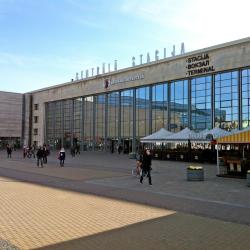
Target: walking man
x,y
9,151
146,166
39,156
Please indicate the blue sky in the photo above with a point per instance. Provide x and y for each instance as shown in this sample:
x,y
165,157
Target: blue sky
x,y
45,42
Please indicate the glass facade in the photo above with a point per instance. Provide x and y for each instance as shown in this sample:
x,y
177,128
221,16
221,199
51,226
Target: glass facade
x,y
178,105
77,120
67,122
245,98
159,107
226,94
101,122
127,114
58,129
201,109
88,123
142,111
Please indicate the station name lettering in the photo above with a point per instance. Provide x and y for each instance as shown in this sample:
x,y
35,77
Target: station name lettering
x,y
128,79
199,64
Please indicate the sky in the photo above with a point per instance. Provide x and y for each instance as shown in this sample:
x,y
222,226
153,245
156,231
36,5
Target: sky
x,y
45,42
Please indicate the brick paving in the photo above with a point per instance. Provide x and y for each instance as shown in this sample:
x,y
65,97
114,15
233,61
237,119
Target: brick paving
x,y
94,203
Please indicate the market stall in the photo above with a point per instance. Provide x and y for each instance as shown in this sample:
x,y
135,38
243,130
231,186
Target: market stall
x,y
235,160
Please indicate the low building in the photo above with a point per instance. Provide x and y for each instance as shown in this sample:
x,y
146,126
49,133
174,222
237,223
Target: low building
x,y
11,119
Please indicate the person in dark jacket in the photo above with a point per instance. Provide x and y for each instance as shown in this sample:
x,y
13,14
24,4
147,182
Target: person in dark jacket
x,y
61,157
9,151
39,156
45,154
146,166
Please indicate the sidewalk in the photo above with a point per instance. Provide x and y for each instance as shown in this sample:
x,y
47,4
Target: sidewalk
x,y
95,203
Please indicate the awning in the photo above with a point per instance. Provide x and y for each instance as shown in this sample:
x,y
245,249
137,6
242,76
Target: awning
x,y
242,136
158,136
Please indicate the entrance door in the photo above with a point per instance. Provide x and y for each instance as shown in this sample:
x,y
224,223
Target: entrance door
x,y
127,146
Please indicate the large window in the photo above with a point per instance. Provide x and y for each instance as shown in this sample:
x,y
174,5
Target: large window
x,y
201,115
67,111
159,107
245,98
178,105
127,119
113,115
99,121
50,114
58,113
77,121
226,100
142,111
88,122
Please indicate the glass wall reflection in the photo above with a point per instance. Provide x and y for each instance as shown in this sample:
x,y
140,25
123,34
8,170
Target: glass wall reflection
x,y
87,120
58,112
88,139
50,128
226,100
99,122
159,107
178,105
245,98
127,120
112,120
77,122
201,109
142,111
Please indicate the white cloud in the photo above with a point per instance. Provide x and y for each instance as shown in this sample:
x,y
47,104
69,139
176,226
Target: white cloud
x,y
201,23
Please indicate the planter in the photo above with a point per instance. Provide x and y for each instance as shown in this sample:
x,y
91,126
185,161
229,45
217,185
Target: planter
x,y
248,179
195,174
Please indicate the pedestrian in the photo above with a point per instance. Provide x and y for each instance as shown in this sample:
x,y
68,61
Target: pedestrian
x,y
9,151
77,149
61,157
72,151
33,151
139,157
45,154
39,156
24,151
119,148
146,166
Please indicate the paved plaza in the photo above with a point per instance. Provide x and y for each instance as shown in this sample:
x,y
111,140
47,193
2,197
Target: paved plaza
x,y
94,203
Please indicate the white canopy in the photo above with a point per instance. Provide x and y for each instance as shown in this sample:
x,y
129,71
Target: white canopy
x,y
183,136
158,136
216,133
